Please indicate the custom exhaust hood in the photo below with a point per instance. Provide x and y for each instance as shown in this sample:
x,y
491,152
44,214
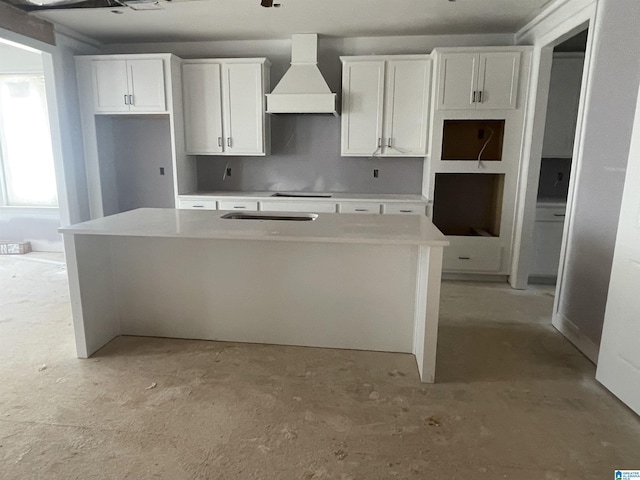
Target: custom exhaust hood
x,y
302,89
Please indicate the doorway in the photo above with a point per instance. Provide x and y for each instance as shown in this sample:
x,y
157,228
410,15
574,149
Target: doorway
x,y
556,160
29,211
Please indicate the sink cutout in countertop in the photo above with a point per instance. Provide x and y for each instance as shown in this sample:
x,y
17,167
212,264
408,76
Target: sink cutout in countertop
x,y
302,195
300,217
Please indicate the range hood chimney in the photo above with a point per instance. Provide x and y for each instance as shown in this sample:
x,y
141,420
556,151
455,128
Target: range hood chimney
x,y
302,89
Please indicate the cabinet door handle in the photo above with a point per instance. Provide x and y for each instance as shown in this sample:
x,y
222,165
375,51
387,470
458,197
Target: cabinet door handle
x,y
380,142
389,142
480,93
131,100
464,258
219,141
473,99
228,141
126,99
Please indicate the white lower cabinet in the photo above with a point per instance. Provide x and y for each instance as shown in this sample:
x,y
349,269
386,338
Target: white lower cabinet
x,y
367,207
473,254
311,207
237,205
306,205
197,204
405,209
547,241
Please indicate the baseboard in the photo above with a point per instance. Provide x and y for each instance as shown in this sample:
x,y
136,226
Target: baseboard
x,y
475,277
37,246
572,333
543,279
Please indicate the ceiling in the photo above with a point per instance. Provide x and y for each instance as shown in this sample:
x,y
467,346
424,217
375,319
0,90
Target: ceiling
x,y
206,20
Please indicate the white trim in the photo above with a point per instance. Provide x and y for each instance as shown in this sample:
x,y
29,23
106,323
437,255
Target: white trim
x,y
75,36
570,18
572,333
551,20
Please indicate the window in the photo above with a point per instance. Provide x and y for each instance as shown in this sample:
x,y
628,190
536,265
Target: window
x,y
27,175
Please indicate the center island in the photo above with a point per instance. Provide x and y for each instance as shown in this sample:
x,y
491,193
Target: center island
x,y
336,280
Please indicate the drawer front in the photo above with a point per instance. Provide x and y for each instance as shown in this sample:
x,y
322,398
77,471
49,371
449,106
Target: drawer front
x,y
472,255
237,205
405,208
550,214
360,207
197,204
311,207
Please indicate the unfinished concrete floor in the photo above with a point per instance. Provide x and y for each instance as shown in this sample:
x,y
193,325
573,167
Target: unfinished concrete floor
x,y
514,400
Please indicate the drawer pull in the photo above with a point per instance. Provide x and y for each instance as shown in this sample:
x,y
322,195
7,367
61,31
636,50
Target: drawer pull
x,y
406,211
464,258
559,214
239,206
362,210
198,206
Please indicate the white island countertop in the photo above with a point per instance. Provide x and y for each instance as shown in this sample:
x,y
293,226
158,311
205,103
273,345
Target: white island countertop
x,y
326,228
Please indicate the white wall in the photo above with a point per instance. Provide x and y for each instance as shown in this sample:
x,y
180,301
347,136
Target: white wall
x,y
611,98
600,156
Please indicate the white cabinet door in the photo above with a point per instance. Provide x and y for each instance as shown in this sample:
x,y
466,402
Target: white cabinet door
x,y
498,80
547,243
619,358
205,204
202,108
146,85
458,80
129,85
243,108
237,205
407,107
311,207
405,209
360,207
362,107
562,107
110,85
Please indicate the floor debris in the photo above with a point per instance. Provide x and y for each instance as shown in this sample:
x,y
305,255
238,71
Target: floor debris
x,y
153,385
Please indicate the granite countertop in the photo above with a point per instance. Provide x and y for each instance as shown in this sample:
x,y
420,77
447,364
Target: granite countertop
x,y
208,224
337,196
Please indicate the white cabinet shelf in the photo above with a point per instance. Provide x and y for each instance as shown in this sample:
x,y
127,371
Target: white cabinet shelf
x,y
478,81
131,85
224,106
385,105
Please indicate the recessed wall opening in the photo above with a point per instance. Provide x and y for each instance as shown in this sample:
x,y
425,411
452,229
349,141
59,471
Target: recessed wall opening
x,y
472,140
468,204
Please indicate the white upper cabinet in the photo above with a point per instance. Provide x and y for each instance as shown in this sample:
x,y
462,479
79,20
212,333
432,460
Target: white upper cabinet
x,y
362,105
224,106
470,81
385,106
202,99
243,110
132,85
562,107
